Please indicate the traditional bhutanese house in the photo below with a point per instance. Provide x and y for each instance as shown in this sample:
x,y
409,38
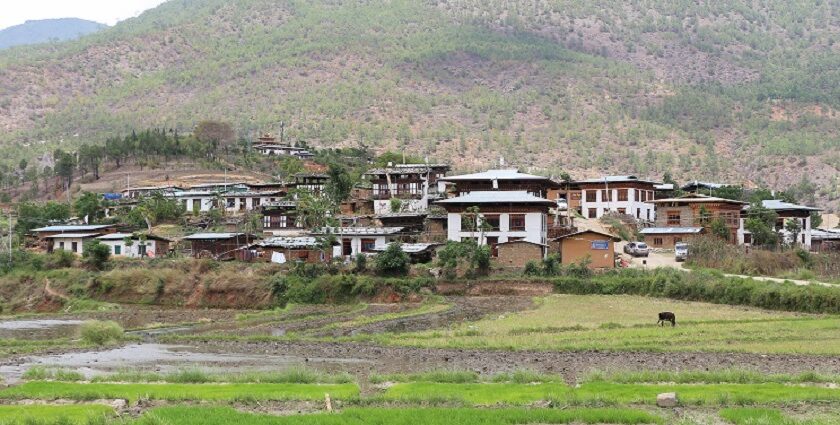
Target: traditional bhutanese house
x,y
46,241
621,194
314,183
135,246
800,214
825,240
598,247
695,210
410,186
283,250
250,200
417,252
503,216
270,149
73,242
503,181
280,218
220,246
667,237
516,254
361,240
566,191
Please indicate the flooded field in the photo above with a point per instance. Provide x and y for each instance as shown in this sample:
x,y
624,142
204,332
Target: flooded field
x,y
38,329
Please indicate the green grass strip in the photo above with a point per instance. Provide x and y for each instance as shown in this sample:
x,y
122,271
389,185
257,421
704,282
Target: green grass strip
x,y
372,416
701,394
176,392
70,414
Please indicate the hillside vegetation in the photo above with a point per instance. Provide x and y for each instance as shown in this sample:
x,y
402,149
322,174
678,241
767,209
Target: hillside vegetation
x,y
741,91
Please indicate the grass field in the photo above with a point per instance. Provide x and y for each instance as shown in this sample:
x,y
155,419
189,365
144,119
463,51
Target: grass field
x,y
45,390
610,393
225,416
69,414
627,323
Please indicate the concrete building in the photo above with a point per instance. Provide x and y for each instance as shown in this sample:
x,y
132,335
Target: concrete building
x,y
72,242
681,217
148,246
503,216
413,185
361,240
502,181
588,245
47,241
621,194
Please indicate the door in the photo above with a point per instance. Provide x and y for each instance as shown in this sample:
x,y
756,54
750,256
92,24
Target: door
x,y
346,247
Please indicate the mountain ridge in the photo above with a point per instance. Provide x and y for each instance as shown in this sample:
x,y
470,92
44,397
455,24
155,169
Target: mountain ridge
x,y
36,31
711,92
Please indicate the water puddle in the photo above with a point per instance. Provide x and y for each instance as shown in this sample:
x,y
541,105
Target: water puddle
x,y
38,329
165,358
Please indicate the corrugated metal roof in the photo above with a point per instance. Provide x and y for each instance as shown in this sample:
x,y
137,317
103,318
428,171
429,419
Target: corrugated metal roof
x,y
616,179
492,197
407,169
587,231
775,204
290,242
72,235
495,175
670,230
73,228
212,236
121,236
410,248
695,198
360,231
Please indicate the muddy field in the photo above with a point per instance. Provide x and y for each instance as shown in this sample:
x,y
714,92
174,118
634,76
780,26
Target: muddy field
x,y
148,352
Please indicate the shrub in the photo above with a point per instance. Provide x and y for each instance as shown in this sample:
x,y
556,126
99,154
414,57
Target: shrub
x,y
532,268
59,259
360,263
101,332
551,265
96,254
393,262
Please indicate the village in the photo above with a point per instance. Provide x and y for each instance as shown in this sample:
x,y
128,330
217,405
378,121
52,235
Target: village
x,y
521,217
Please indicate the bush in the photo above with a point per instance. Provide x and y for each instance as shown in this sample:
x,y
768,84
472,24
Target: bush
x,y
96,254
58,259
532,268
393,262
360,265
101,332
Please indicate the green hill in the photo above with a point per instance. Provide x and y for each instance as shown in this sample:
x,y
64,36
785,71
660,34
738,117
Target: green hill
x,y
738,90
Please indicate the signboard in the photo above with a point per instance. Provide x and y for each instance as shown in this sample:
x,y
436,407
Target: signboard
x,y
601,245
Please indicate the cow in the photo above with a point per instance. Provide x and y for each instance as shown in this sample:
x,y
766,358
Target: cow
x,y
667,316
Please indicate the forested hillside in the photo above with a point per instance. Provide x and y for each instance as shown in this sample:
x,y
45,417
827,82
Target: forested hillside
x,y
741,91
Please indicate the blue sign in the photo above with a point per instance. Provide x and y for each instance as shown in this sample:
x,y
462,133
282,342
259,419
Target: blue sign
x,y
601,245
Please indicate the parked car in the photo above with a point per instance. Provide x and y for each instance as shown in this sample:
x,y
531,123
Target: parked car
x,y
681,251
637,249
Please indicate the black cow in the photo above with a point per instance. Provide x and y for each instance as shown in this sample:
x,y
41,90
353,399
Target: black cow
x,y
667,316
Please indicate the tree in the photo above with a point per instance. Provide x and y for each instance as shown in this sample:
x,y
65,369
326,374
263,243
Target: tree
x,y
816,219
718,228
313,211
96,254
89,206
65,164
214,134
340,184
392,262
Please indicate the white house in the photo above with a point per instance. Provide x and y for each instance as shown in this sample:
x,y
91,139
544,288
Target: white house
x,y
786,211
504,216
150,246
271,149
73,242
361,240
621,194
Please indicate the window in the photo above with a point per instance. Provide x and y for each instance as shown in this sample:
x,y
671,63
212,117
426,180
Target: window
x,y
242,203
606,195
622,211
256,202
117,250
61,245
231,202
622,194
491,222
593,213
75,246
677,240
590,196
141,249
368,245
517,222
657,241
674,218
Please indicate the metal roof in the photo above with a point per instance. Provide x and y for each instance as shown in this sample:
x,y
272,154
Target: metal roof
x,y
708,185
410,248
407,169
290,242
670,230
121,236
360,231
212,236
775,204
615,238
494,197
495,175
617,179
73,228
695,198
72,235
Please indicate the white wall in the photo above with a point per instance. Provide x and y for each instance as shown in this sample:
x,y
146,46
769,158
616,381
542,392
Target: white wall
x,y
356,242
133,251
68,244
535,229
383,206
632,206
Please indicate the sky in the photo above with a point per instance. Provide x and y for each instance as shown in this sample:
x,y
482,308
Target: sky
x,y
14,12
